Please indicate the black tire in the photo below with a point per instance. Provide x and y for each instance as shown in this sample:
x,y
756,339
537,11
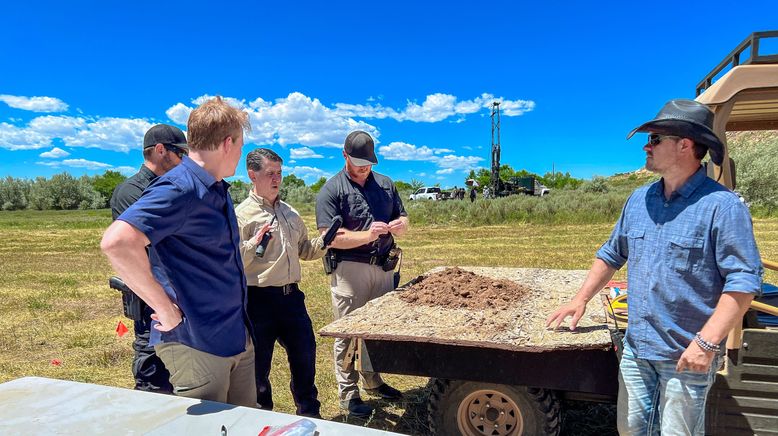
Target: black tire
x,y
454,405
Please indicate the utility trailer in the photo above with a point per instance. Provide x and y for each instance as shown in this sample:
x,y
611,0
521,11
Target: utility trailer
x,y
493,373
492,382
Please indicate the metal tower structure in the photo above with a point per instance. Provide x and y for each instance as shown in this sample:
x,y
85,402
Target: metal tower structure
x,y
495,185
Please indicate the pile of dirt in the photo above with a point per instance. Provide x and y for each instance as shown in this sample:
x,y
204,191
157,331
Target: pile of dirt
x,y
459,289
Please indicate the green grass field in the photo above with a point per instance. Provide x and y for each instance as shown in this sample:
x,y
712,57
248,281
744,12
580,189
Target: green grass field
x,y
55,302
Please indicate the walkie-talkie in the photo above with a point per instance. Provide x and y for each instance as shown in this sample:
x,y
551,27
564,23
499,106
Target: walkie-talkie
x,y
265,239
333,230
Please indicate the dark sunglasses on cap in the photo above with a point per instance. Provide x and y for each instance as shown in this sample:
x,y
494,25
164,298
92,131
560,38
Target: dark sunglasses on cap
x,y
180,152
654,138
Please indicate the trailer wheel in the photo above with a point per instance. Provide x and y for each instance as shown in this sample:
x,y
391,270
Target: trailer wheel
x,y
478,409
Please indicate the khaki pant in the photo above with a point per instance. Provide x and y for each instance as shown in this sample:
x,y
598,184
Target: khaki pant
x,y
353,284
197,374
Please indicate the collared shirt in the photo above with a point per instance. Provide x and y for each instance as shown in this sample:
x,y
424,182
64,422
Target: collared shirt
x,y
195,255
359,207
682,253
289,242
130,190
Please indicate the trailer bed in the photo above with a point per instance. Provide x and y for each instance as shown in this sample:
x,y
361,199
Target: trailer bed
x,y
520,328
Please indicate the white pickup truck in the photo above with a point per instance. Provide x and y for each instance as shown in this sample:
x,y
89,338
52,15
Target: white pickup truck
x,y
428,193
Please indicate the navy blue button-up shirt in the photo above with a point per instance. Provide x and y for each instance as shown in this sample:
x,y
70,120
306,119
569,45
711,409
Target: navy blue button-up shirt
x,y
682,253
189,218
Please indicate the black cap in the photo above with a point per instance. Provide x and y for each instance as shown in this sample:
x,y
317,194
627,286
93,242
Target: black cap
x,y
164,134
359,147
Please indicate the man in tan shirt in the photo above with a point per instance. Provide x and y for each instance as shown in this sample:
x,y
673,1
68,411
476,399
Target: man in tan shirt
x,y
276,306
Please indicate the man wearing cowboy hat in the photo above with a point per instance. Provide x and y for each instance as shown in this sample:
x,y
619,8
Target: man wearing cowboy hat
x,y
693,269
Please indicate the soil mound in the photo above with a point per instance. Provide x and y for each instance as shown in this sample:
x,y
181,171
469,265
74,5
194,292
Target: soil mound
x,y
460,289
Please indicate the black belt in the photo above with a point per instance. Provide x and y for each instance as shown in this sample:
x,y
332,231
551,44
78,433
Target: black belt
x,y
371,260
284,290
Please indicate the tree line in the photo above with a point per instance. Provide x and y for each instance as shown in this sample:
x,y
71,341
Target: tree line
x,y
66,192
756,154
60,192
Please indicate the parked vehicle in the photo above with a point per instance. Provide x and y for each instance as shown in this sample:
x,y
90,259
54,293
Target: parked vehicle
x,y
530,186
427,193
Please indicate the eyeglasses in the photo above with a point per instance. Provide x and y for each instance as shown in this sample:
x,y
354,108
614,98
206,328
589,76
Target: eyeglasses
x,y
180,152
654,139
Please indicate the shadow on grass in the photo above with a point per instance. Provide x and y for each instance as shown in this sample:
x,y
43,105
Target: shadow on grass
x,y
586,418
407,415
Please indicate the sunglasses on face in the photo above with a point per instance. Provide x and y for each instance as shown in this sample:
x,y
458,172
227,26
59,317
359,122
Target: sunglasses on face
x,y
180,152
654,139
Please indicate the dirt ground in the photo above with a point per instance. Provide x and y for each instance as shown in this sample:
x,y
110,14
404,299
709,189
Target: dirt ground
x,y
494,307
460,289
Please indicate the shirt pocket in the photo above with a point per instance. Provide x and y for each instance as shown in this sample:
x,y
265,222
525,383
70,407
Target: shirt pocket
x,y
635,240
295,231
356,211
684,253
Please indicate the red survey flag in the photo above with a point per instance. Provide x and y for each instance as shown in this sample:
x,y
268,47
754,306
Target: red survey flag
x,y
56,362
121,329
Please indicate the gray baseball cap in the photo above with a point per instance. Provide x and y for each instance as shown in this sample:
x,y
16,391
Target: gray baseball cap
x,y
360,148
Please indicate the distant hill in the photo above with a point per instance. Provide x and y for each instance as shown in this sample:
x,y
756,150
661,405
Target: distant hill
x,y
747,141
632,179
742,146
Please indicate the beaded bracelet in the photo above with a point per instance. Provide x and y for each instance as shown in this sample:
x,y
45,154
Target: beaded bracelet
x,y
705,345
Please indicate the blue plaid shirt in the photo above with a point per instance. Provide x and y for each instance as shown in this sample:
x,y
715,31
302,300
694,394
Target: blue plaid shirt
x,y
682,253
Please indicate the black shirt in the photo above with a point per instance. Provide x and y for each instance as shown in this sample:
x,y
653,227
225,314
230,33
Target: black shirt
x,y
130,190
360,206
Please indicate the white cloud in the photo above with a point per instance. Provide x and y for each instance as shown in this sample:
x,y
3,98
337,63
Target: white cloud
x,y
294,119
300,119
240,104
117,134
35,104
55,153
459,162
179,113
447,163
78,163
126,170
436,107
303,153
309,174
56,126
405,151
83,163
19,138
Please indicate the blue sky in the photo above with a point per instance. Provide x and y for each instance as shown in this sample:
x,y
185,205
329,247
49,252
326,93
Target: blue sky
x,y
80,82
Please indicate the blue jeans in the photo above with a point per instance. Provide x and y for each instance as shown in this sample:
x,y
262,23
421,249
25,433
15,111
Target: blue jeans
x,y
655,399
